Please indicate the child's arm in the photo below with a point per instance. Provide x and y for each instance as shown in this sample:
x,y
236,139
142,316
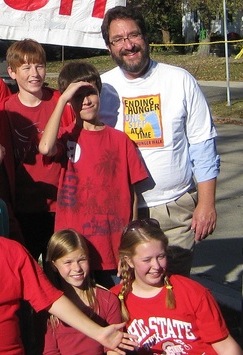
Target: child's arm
x,y
135,205
109,336
47,145
111,352
227,346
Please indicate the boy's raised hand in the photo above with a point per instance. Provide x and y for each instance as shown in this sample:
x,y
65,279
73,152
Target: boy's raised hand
x,y
73,88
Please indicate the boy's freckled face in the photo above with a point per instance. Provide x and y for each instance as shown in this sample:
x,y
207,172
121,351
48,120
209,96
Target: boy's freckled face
x,y
30,77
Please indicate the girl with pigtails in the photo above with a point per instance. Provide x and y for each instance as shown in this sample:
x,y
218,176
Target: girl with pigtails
x,y
67,266
170,314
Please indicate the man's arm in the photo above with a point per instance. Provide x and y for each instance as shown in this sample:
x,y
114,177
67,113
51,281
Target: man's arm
x,y
204,216
205,165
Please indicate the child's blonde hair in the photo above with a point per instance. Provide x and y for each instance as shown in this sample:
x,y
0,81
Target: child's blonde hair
x,y
137,232
60,244
25,51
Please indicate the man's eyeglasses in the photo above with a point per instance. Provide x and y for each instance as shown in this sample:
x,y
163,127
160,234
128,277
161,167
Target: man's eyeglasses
x,y
141,223
132,37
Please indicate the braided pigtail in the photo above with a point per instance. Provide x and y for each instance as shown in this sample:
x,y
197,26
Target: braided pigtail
x,y
127,276
170,301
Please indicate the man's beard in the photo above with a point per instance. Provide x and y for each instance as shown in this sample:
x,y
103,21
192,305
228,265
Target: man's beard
x,y
130,67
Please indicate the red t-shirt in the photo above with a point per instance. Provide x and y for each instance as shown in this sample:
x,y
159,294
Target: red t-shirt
x,y
5,140
21,279
94,195
4,90
36,175
7,176
188,329
66,340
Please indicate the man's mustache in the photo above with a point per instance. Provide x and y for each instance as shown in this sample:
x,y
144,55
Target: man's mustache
x,y
134,49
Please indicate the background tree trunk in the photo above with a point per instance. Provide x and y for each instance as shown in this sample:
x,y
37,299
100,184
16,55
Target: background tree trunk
x,y
204,49
165,36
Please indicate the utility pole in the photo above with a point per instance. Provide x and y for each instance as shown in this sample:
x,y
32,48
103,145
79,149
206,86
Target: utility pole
x,y
226,53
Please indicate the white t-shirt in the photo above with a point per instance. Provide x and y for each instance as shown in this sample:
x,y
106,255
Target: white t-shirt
x,y
164,112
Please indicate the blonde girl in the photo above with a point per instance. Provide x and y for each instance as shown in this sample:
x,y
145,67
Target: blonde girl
x,y
169,314
68,269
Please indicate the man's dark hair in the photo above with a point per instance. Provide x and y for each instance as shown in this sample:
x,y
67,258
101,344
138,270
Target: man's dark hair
x,y
121,13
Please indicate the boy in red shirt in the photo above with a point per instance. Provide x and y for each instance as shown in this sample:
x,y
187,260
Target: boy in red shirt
x,y
27,112
101,166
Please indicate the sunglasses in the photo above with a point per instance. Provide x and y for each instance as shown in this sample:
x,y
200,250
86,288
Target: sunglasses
x,y
141,223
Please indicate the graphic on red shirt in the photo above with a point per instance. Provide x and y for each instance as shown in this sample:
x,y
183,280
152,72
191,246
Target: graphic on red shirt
x,y
158,330
190,328
143,121
94,194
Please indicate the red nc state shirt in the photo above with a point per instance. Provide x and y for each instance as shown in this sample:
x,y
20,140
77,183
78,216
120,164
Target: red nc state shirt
x,y
188,329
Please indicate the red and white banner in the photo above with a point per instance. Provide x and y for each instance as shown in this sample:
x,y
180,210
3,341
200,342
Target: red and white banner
x,y
62,22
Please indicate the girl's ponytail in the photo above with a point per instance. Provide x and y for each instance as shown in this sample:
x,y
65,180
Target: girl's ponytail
x,y
127,275
170,302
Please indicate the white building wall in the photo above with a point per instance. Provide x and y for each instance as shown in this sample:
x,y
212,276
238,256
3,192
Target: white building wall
x,y
191,28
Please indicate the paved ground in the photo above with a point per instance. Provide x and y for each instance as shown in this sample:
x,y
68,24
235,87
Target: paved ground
x,y
219,258
218,261
217,90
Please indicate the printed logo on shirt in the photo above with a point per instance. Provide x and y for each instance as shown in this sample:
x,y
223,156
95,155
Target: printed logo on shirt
x,y
67,194
176,348
172,336
143,121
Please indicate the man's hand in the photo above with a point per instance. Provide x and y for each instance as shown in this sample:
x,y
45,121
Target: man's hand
x,y
205,216
203,221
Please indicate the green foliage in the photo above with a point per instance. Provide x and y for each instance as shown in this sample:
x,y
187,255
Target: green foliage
x,y
209,9
210,68
160,15
166,15
216,6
